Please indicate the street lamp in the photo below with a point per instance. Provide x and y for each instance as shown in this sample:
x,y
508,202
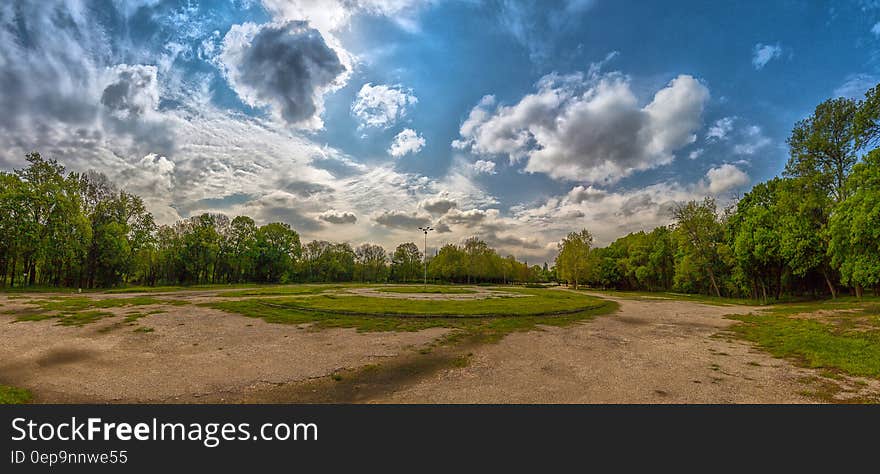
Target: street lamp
x,y
426,229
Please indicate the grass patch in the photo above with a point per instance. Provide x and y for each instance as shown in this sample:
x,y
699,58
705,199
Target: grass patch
x,y
78,311
487,326
144,329
431,289
845,337
280,290
531,303
14,395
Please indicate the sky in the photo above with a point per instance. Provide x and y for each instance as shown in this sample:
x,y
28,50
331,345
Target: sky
x,y
361,120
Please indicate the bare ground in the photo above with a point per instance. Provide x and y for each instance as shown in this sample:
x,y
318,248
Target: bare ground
x,y
193,353
651,351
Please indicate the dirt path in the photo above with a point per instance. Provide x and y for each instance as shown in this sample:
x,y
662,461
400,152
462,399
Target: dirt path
x,y
651,351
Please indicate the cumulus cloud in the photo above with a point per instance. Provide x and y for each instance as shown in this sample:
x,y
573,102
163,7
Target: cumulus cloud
x,y
483,167
720,129
330,15
764,53
134,91
337,217
587,128
726,177
438,206
401,220
382,106
407,141
696,153
286,66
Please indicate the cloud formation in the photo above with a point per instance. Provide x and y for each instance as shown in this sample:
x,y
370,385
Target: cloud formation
x,y
587,128
764,53
337,217
726,177
134,91
285,66
405,142
382,106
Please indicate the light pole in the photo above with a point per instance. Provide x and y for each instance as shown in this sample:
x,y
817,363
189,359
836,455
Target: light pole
x,y
426,229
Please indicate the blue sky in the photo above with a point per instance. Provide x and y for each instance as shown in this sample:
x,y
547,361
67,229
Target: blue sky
x,y
516,121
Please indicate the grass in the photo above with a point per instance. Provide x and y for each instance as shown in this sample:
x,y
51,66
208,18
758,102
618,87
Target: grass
x,y
14,395
532,302
372,314
280,290
844,337
431,289
78,311
668,295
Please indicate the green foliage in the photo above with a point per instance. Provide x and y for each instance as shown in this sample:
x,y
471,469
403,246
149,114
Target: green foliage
x,y
573,264
855,227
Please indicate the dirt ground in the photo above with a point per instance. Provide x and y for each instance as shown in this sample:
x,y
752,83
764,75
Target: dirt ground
x,y
192,353
650,351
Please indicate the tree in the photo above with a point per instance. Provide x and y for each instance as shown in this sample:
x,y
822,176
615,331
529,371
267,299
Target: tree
x,y
572,262
371,260
756,237
700,232
855,227
823,146
276,249
406,262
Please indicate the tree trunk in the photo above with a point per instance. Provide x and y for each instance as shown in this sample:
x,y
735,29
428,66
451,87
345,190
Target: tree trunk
x,y
712,279
858,291
830,285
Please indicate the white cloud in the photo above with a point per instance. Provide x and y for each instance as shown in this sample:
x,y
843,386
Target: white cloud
x,y
407,141
696,153
855,86
382,106
764,53
720,129
483,167
752,141
726,177
876,29
588,129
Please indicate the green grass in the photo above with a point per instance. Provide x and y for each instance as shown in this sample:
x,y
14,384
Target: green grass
x,y
280,290
430,289
171,288
485,326
847,340
668,295
78,311
14,395
532,302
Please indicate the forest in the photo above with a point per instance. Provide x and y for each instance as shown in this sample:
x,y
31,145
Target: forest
x,y
814,231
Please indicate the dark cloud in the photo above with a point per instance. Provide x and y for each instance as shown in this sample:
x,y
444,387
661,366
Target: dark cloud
x,y
286,65
337,217
135,91
439,206
401,220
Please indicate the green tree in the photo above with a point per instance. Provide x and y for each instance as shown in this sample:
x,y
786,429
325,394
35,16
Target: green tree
x,y
572,263
700,233
406,262
855,227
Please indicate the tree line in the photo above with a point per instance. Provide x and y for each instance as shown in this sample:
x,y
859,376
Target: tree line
x,y
79,230
813,231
